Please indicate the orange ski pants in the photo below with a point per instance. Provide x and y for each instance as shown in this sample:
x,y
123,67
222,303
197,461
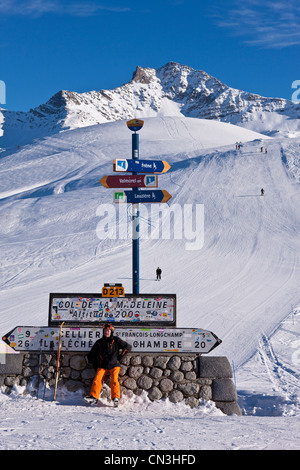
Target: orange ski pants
x,y
99,379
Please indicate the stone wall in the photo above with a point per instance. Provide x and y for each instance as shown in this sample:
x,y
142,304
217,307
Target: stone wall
x,y
175,376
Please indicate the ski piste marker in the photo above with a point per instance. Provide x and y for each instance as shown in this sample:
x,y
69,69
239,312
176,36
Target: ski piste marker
x,y
58,360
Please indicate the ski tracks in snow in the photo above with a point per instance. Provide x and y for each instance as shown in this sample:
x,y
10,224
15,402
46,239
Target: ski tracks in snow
x,y
284,379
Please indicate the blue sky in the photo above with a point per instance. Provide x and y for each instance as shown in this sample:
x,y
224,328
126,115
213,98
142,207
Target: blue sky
x,y
50,45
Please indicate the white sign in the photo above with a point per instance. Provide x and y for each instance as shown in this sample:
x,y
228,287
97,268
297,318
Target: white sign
x,y
181,340
189,340
137,309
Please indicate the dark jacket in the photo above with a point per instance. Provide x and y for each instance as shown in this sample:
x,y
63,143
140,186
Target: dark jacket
x,y
107,352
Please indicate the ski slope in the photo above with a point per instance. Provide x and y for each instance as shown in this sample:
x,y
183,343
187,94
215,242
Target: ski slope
x,y
241,284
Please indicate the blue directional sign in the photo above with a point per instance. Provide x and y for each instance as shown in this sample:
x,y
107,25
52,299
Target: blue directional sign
x,y
144,196
141,166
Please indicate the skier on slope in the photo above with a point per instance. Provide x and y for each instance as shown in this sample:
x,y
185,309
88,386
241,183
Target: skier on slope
x,y
158,274
262,191
104,356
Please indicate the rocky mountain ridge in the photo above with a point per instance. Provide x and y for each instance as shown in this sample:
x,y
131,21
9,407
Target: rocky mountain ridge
x,y
172,90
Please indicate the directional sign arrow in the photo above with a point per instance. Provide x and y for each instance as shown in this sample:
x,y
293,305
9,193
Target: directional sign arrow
x,y
128,181
134,197
141,166
189,340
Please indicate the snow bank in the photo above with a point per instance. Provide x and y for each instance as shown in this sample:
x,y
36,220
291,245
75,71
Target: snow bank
x,y
28,423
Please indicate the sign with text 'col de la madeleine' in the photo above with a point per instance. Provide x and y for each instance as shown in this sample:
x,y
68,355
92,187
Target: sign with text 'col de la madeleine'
x,y
130,309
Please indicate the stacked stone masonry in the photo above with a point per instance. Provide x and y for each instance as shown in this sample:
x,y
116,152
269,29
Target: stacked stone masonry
x,y
188,378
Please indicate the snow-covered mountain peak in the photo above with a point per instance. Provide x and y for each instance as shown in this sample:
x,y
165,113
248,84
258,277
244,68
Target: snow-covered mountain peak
x,y
144,75
172,90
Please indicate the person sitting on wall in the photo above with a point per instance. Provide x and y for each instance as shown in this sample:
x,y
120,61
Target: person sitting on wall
x,y
105,356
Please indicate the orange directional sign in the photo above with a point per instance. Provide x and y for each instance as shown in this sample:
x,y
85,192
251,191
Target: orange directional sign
x,y
128,181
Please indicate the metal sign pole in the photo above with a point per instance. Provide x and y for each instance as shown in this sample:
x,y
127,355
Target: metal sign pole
x,y
135,226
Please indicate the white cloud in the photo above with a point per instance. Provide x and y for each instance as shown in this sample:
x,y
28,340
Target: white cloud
x,y
40,7
269,24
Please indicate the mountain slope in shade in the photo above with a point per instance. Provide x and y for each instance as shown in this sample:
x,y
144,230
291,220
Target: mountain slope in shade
x,y
172,90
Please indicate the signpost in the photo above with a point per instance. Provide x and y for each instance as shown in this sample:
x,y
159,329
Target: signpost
x,y
96,309
135,196
127,181
142,196
146,321
135,211
141,166
158,340
113,290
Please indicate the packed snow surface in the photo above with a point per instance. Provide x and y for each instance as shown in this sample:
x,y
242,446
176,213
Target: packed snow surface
x,y
241,281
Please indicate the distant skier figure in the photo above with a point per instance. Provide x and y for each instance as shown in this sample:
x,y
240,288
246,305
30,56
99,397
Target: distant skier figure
x,y
158,274
266,150
262,191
